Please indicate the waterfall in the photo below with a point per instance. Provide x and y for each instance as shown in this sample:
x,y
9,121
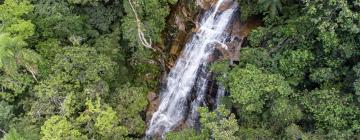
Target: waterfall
x,y
175,99
200,90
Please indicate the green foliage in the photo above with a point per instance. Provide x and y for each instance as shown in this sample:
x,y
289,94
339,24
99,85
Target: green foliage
x,y
172,1
103,17
294,132
187,134
248,8
153,21
256,36
330,110
14,30
128,26
220,68
145,69
75,74
295,63
262,100
6,115
323,75
78,42
12,10
13,135
26,128
357,82
8,46
84,2
106,127
283,112
129,103
258,57
55,19
311,46
220,124
251,8
10,17
73,69
102,121
251,88
14,86
271,6
16,61
251,133
13,54
58,128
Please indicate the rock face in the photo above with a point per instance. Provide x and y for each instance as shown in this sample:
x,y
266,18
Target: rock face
x,y
225,5
205,4
183,20
238,32
153,104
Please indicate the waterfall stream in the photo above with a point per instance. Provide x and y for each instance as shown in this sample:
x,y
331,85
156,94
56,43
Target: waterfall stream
x,y
175,104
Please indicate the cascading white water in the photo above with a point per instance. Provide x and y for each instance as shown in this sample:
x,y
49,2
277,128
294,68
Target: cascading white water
x,y
200,91
174,100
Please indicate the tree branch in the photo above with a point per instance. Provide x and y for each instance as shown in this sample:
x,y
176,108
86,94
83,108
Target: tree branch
x,y
2,131
141,35
33,73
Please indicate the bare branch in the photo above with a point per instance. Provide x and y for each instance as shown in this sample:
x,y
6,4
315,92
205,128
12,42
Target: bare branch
x,y
141,35
32,71
2,131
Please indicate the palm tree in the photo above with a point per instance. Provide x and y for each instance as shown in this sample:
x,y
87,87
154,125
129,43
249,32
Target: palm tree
x,y
272,6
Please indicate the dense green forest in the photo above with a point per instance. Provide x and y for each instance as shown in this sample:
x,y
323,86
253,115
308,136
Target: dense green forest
x,y
77,69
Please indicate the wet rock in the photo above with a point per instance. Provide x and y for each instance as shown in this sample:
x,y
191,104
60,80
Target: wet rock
x,y
238,32
177,43
176,48
249,25
183,125
225,5
207,4
223,51
182,21
154,102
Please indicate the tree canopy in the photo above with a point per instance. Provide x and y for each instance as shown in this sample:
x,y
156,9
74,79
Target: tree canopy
x,y
86,69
